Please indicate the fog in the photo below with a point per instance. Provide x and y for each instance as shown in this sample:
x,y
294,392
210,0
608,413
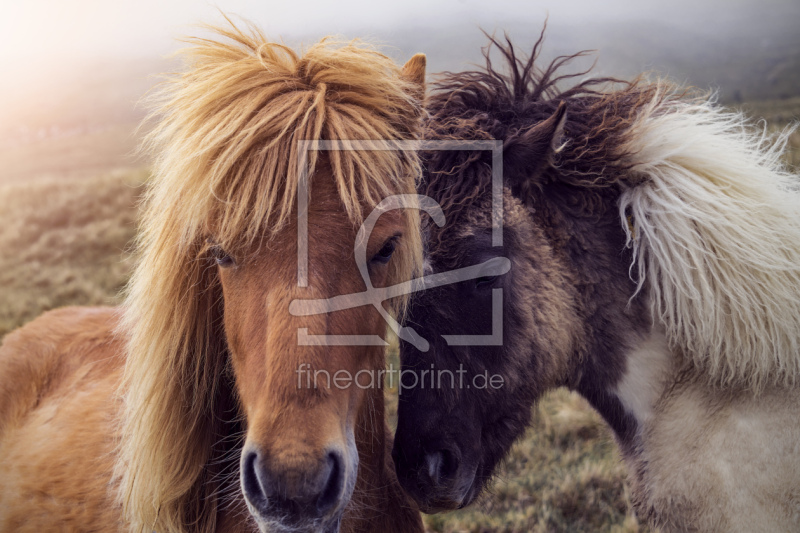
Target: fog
x,y
74,70
39,34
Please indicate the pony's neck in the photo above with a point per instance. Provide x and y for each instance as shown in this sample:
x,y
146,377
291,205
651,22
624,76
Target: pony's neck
x,y
627,398
379,503
647,370
605,367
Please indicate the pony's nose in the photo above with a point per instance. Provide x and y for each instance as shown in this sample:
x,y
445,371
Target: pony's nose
x,y
441,467
292,494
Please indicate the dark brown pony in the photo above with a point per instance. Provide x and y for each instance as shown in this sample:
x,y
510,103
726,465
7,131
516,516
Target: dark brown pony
x,y
182,410
654,250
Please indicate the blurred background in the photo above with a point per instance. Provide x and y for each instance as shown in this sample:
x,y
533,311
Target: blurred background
x,y
73,72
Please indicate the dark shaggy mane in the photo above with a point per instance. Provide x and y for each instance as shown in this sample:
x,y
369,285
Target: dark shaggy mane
x,y
500,103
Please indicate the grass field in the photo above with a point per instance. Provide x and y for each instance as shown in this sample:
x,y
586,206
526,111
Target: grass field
x,y
65,240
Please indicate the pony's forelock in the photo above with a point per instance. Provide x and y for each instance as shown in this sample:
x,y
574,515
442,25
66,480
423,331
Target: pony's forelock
x,y
229,131
226,166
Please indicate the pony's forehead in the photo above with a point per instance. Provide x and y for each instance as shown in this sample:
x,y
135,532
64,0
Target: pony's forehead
x,y
471,226
325,215
339,193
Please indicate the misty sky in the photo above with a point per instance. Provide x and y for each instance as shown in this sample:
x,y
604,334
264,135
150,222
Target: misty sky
x,y
40,32
83,64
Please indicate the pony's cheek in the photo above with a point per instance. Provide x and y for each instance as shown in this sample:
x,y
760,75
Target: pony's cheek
x,y
357,399
379,276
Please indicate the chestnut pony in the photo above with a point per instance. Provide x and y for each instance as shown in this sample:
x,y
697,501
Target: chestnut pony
x,y
149,417
654,249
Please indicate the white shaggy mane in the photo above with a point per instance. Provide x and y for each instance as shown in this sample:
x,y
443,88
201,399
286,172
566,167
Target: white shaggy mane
x,y
716,231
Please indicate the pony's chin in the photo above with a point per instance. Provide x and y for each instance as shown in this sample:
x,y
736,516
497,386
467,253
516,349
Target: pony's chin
x,y
436,504
334,527
472,494
330,526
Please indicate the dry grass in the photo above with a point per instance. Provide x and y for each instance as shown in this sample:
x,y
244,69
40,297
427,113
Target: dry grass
x,y
83,154
64,241
779,114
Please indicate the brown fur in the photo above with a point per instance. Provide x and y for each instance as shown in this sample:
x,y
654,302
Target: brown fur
x,y
702,400
134,418
567,318
58,376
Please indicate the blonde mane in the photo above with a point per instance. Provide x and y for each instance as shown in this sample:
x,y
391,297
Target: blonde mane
x,y
225,147
716,232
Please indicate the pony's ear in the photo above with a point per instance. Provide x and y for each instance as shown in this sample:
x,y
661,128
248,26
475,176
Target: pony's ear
x,y
414,71
529,151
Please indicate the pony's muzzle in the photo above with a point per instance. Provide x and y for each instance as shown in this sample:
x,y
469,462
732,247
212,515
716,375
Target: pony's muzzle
x,y
441,466
437,480
293,494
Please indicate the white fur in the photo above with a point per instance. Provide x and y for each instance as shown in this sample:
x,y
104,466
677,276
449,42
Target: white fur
x,y
708,462
647,368
717,234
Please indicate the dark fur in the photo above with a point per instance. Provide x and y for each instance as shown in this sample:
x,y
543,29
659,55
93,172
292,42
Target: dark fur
x,y
567,318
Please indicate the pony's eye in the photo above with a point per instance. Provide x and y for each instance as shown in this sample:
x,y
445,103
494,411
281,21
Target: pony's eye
x,y
222,259
386,252
485,281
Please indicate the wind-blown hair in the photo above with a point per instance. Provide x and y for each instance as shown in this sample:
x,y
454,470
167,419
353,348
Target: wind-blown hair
x,y
711,213
717,234
225,146
503,104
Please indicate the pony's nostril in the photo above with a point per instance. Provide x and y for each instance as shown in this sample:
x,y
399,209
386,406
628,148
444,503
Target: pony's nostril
x,y
434,463
252,482
332,488
441,466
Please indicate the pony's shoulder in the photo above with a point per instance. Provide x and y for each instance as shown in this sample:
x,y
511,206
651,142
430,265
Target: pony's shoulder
x,y
56,350
65,326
